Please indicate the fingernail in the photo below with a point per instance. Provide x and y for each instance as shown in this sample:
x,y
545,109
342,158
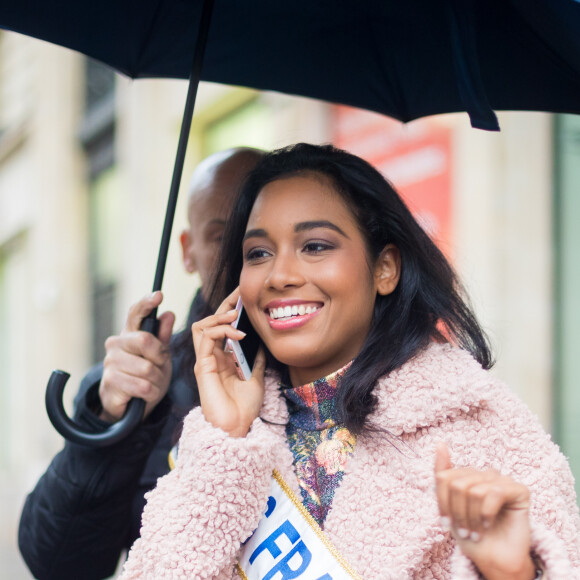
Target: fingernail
x,y
446,523
474,537
463,533
486,524
241,332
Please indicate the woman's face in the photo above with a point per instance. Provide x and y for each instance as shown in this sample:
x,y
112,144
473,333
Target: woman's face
x,y
306,282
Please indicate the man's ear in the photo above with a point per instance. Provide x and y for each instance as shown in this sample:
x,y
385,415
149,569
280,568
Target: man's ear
x,y
186,251
388,270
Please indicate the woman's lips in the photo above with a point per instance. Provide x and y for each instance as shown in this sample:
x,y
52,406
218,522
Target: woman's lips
x,y
290,310
289,316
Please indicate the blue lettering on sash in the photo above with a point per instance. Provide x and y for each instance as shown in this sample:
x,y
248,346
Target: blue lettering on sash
x,y
270,507
299,555
270,542
299,550
283,566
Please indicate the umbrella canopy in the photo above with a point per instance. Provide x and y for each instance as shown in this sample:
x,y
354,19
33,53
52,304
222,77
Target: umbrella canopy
x,y
403,59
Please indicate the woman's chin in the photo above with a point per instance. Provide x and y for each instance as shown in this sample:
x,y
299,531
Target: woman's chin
x,y
294,359
303,366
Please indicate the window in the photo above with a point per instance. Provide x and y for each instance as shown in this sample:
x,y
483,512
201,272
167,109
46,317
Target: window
x,y
13,342
97,134
567,288
249,126
105,223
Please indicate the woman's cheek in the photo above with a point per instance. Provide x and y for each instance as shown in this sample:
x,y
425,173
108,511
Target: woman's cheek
x,y
249,294
246,292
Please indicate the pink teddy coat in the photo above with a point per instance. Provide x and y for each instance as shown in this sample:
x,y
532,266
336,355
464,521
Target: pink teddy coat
x,y
384,518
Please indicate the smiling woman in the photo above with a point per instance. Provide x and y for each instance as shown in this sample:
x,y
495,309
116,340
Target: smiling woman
x,y
291,263
370,441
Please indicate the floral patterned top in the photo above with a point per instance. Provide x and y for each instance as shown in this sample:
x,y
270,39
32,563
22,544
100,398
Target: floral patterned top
x,y
320,446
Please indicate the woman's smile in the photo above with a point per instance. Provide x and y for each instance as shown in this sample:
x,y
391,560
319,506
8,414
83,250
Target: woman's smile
x,y
287,314
288,309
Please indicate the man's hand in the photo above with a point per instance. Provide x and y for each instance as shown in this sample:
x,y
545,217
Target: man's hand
x,y
137,363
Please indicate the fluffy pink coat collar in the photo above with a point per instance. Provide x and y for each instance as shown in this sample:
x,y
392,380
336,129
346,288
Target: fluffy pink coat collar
x,y
438,384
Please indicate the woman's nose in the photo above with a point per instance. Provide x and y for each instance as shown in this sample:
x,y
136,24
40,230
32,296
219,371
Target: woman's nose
x,y
286,272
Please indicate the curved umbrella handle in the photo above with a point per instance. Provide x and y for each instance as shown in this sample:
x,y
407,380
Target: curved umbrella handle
x,y
71,431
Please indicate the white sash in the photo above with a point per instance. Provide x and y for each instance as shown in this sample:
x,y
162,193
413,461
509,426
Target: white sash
x,y
288,543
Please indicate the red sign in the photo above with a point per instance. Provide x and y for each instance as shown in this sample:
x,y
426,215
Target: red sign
x,y
415,158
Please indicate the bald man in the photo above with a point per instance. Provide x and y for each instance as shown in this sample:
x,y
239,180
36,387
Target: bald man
x,y
86,509
210,200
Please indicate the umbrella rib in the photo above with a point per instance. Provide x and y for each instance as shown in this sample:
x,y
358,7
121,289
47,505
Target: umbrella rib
x,y
146,38
466,64
401,108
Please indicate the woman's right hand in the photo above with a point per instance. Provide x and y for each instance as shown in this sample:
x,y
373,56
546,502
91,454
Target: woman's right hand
x,y
227,401
137,363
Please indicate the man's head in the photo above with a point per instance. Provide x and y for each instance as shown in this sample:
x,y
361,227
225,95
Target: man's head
x,y
212,191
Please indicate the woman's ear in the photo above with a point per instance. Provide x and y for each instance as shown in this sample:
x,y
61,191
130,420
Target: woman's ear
x,y
388,270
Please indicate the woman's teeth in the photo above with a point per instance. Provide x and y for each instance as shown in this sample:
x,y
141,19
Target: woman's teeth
x,y
290,311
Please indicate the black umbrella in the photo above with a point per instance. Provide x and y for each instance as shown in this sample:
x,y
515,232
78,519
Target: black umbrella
x,y
406,59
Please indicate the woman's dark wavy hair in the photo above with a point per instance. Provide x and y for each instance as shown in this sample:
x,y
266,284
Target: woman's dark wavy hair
x,y
429,304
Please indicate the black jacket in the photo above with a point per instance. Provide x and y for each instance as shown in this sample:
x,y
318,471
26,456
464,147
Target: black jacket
x,y
86,508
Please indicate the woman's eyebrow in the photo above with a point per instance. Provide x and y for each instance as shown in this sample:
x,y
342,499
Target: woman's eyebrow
x,y
299,227
256,233
304,226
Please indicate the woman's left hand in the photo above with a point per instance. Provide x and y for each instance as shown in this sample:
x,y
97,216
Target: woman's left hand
x,y
488,515
227,401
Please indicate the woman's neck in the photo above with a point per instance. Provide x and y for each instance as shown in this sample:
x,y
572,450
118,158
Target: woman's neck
x,y
303,376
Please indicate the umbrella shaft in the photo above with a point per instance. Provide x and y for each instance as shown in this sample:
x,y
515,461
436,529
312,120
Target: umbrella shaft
x,y
194,80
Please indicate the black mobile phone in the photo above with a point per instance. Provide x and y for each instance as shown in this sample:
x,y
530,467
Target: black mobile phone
x,y
244,352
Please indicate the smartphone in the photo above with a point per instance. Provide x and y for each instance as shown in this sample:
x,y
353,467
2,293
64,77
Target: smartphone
x,y
243,357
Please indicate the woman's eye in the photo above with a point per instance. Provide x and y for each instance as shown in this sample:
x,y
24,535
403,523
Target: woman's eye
x,y
256,254
317,247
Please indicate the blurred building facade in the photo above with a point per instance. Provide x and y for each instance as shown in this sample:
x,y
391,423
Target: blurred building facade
x,y
85,164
